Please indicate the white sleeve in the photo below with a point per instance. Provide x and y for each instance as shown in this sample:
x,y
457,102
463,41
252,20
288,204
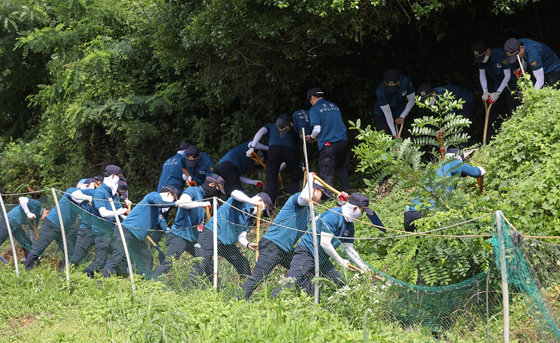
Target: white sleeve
x,y
242,239
23,203
409,105
507,77
326,244
186,202
105,213
247,181
260,146
240,196
539,76
354,257
304,195
316,131
483,80
283,166
389,117
80,197
263,131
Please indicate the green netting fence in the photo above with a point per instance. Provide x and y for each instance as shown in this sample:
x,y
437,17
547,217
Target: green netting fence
x,y
473,306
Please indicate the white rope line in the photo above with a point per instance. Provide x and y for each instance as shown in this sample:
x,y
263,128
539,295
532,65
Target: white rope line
x,y
25,193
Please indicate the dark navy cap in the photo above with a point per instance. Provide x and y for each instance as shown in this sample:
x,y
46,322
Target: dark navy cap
x,y
184,146
283,124
172,189
511,47
193,155
218,180
316,91
479,51
267,201
112,169
425,90
360,200
392,80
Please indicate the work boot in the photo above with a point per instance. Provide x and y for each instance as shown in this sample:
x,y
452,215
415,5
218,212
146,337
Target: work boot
x,y
30,260
89,272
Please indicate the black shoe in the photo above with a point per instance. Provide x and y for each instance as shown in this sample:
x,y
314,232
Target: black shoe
x,y
30,260
89,272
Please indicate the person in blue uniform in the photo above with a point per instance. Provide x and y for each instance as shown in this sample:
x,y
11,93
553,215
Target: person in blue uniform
x,y
51,228
234,164
277,245
145,216
492,63
28,212
85,238
234,222
394,99
102,229
334,227
199,165
427,91
329,130
452,166
301,120
544,63
183,235
174,170
282,148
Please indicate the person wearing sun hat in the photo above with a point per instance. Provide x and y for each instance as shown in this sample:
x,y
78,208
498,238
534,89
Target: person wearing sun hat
x,y
282,148
334,227
394,99
183,235
544,63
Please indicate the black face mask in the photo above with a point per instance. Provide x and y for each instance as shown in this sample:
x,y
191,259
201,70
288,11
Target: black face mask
x,y
210,191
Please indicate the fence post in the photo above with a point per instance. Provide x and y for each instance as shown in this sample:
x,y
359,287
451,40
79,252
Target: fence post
x,y
310,181
121,233
215,241
10,234
63,232
503,269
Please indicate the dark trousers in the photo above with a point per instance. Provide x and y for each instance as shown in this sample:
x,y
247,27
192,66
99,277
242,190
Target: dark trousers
x,y
49,232
230,174
276,155
103,248
331,158
502,109
204,248
552,78
381,124
19,235
141,258
175,247
302,271
409,218
84,241
270,255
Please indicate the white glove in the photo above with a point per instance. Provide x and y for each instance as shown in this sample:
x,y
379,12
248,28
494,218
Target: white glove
x,y
128,203
482,171
485,96
494,97
189,179
345,263
30,215
249,152
121,211
206,204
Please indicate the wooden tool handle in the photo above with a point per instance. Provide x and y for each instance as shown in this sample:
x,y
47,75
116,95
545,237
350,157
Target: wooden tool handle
x,y
326,185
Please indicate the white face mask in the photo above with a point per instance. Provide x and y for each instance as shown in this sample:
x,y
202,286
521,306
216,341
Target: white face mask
x,y
167,196
112,182
486,58
351,212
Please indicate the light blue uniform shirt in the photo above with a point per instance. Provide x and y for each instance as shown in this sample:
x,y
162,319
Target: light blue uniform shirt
x,y
146,215
187,220
289,140
17,216
100,199
68,210
327,115
231,221
396,100
172,172
87,207
447,170
332,221
204,167
238,158
293,216
539,55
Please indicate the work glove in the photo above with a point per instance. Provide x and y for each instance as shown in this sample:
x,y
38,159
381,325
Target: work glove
x,y
345,263
485,96
482,171
342,198
189,180
518,73
494,97
250,152
399,121
30,215
259,184
206,204
128,203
